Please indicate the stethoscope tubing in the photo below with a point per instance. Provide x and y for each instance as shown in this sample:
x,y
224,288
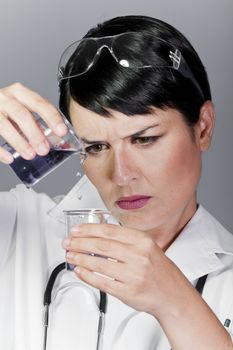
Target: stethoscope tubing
x,y
47,302
102,304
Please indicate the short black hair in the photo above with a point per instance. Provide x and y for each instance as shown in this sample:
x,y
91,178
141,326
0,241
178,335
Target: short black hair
x,y
108,86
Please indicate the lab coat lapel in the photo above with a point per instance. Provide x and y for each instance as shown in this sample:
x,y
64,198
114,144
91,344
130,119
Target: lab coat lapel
x,y
82,195
195,250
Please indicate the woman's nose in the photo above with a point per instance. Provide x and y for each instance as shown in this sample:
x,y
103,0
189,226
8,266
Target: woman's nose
x,y
123,169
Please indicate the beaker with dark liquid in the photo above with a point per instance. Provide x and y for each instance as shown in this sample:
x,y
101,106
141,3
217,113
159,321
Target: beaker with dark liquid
x,y
61,148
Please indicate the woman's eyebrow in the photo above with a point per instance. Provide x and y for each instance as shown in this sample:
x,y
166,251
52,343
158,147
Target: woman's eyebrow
x,y
138,133
89,142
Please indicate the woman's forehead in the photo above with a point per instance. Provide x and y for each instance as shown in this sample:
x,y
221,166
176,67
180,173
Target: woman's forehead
x,y
89,122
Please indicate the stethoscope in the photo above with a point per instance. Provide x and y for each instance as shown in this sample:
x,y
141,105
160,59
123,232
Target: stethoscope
x,y
47,302
102,304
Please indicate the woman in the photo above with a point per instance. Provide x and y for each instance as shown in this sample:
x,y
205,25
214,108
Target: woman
x,y
138,96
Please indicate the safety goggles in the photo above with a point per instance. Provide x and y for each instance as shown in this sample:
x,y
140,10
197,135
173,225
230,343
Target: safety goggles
x,y
129,50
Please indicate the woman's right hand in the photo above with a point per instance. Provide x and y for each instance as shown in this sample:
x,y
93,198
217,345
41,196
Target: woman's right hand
x,y
17,103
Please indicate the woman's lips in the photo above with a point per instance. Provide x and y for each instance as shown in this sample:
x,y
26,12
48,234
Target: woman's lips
x,y
133,202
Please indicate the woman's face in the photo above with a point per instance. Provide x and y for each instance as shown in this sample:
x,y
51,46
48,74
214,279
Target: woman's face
x,y
145,167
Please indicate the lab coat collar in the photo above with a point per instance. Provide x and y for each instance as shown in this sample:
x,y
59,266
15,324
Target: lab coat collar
x,y
196,250
82,195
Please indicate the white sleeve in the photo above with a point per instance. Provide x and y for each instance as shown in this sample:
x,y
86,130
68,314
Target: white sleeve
x,y
8,215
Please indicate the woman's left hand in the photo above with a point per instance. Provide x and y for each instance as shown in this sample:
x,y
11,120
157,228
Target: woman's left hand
x,y
138,271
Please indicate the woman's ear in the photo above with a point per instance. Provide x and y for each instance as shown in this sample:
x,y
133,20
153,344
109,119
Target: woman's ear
x,y
205,125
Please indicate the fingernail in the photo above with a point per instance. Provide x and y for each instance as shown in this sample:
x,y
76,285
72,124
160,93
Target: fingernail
x,y
75,230
43,148
66,243
70,255
77,269
29,153
61,129
7,158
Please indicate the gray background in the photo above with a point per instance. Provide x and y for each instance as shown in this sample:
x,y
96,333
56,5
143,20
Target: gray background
x,y
34,33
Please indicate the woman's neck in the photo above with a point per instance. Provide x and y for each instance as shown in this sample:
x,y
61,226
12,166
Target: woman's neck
x,y
165,235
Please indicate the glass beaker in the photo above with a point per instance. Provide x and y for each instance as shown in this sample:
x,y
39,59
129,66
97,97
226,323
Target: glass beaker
x,y
61,149
84,216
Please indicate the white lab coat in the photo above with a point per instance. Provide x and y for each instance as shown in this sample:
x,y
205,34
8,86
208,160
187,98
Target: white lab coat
x,y
31,231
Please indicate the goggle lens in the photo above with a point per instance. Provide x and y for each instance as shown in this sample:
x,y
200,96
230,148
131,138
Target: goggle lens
x,y
129,50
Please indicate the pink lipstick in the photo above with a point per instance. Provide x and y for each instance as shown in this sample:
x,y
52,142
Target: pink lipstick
x,y
133,202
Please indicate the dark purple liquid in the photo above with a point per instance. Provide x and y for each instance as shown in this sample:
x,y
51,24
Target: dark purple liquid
x,y
30,171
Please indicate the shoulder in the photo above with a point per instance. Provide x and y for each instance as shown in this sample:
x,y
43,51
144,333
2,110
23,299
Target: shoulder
x,y
218,236
22,200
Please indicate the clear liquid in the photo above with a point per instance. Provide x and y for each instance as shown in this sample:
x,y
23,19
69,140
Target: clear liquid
x,y
30,171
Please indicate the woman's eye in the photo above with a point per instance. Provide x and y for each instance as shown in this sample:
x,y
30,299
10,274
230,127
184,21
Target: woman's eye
x,y
95,149
145,140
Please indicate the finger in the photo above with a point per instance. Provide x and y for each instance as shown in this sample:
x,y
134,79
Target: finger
x,y
12,136
25,123
5,157
104,247
109,231
113,287
36,103
108,267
